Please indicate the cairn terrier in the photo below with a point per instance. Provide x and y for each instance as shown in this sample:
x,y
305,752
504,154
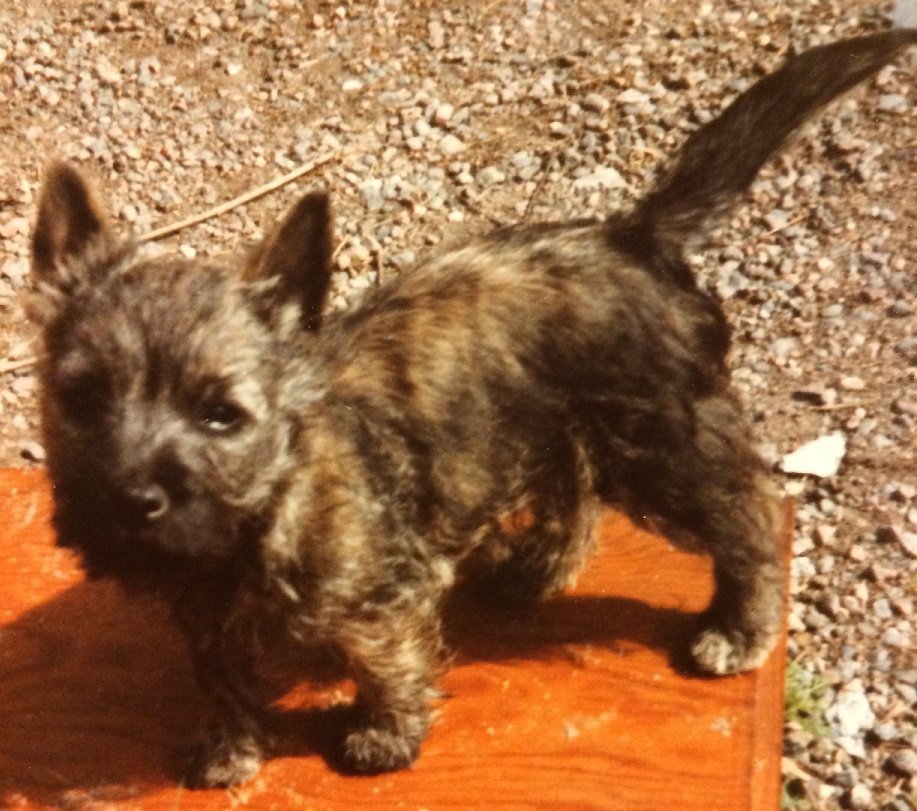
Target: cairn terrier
x,y
214,437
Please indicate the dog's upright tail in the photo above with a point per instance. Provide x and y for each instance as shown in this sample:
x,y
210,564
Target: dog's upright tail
x,y
720,160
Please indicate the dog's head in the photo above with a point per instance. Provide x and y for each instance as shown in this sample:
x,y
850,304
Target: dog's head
x,y
168,384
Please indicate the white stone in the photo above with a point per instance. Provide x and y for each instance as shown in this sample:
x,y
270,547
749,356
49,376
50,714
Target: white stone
x,y
443,115
450,145
852,383
851,712
16,269
605,177
490,175
633,96
107,72
909,542
861,796
820,457
904,15
852,746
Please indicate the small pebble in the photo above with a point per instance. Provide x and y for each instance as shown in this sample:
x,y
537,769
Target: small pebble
x,y
893,103
451,145
903,761
861,797
32,452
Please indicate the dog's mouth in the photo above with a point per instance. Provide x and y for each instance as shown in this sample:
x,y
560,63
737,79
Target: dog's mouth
x,y
113,537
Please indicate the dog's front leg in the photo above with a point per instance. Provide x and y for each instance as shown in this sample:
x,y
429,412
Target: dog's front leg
x,y
395,660
231,749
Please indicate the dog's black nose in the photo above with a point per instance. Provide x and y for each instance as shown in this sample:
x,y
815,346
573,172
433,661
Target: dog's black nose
x,y
150,503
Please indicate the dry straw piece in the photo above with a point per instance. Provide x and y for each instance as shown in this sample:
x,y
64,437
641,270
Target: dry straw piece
x,y
241,200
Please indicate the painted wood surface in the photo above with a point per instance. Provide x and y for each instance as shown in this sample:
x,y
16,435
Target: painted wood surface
x,y
580,704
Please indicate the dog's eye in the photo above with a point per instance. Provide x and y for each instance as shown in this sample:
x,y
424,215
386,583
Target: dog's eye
x,y
222,416
86,396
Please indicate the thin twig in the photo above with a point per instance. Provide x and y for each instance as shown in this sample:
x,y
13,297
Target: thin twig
x,y
843,406
340,247
12,365
546,162
248,197
794,221
380,262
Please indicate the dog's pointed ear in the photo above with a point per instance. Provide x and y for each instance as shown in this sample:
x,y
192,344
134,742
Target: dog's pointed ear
x,y
70,219
296,258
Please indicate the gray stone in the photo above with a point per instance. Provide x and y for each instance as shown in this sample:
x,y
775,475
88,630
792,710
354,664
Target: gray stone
x,y
903,761
596,103
633,96
908,540
893,103
851,711
861,797
606,177
896,638
491,175
777,219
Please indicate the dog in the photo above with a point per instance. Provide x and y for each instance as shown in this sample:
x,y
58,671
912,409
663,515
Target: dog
x,y
214,436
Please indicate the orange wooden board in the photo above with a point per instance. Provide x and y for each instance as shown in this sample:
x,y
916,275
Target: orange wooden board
x,y
578,704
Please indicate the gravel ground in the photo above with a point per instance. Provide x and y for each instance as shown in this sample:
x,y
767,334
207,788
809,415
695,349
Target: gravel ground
x,y
446,119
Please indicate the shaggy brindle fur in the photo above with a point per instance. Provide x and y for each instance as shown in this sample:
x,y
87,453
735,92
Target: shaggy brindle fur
x,y
213,437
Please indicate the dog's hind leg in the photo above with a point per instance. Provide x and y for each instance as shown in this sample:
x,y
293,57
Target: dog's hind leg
x,y
539,549
714,488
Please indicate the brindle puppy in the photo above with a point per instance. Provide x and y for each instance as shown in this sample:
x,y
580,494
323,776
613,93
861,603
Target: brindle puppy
x,y
213,437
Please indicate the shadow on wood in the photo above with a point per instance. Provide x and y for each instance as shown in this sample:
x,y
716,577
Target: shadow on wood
x,y
578,703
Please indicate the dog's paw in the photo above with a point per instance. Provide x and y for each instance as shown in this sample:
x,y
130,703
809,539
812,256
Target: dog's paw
x,y
721,652
223,762
372,750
